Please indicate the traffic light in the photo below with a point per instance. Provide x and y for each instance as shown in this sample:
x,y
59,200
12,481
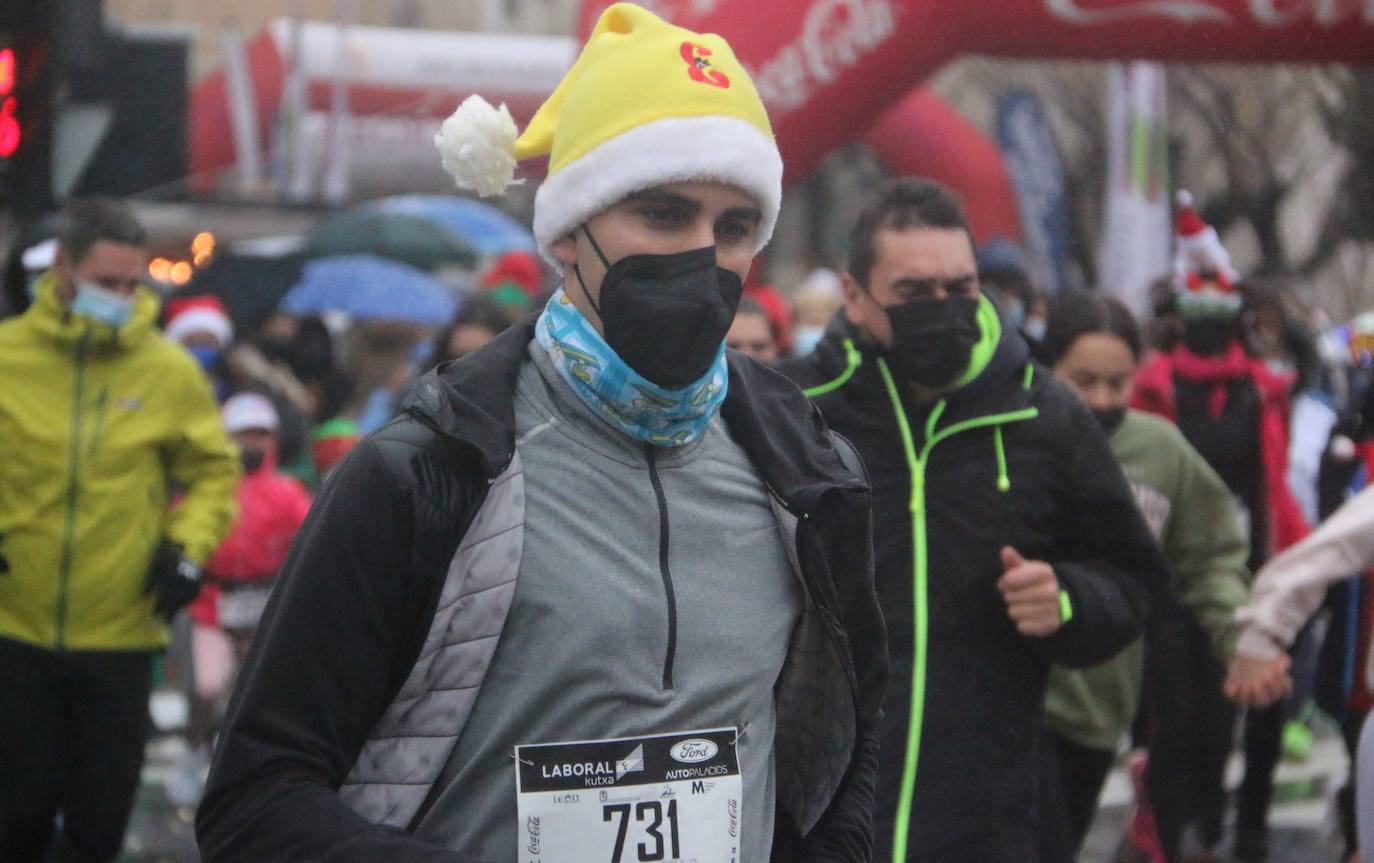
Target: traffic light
x,y
11,134
87,110
25,109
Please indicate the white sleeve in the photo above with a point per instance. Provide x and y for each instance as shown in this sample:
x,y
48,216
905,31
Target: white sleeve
x,y
1289,588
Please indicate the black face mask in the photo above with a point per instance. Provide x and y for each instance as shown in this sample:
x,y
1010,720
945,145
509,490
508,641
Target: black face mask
x,y
665,315
252,459
933,339
276,350
1110,419
1207,337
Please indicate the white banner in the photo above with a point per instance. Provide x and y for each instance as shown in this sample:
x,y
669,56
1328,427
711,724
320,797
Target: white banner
x,y
428,61
1137,234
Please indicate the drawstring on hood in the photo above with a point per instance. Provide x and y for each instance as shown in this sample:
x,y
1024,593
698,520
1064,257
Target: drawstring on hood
x,y
1003,476
1003,480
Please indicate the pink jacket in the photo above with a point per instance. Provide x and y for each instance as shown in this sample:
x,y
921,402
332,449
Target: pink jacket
x,y
271,509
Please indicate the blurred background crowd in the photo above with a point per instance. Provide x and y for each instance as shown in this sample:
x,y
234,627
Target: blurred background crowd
x,y
280,155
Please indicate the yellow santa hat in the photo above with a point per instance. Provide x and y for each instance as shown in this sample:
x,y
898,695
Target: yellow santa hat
x,y
647,103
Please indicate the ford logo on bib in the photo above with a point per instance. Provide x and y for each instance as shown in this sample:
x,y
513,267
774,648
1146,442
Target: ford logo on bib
x,y
694,751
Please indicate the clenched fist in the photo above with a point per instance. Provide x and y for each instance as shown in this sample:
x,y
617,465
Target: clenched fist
x,y
1031,593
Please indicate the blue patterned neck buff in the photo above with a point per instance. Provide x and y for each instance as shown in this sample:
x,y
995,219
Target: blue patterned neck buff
x,y
614,392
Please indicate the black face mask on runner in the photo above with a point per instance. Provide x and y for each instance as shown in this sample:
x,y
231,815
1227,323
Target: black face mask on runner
x,y
665,315
1207,337
252,459
933,339
1110,419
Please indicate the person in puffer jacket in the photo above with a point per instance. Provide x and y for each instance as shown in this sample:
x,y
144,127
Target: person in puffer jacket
x,y
604,589
1006,538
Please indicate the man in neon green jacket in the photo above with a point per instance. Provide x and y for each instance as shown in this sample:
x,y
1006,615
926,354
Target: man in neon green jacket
x,y
1005,537
101,419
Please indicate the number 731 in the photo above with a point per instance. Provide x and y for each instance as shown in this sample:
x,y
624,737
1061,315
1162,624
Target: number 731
x,y
643,812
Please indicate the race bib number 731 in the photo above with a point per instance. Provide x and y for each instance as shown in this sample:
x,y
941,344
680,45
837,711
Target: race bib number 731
x,y
673,798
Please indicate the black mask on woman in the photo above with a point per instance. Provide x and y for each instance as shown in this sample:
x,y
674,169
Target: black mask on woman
x,y
1110,419
1207,337
665,315
252,459
933,339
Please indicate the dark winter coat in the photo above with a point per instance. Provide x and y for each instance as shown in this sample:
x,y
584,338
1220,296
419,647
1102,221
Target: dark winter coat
x,y
1010,459
360,596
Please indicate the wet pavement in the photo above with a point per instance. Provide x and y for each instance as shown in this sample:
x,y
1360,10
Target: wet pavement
x,y
1302,823
1302,828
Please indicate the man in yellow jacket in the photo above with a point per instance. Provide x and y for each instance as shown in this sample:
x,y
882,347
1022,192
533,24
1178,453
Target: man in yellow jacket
x,y
102,422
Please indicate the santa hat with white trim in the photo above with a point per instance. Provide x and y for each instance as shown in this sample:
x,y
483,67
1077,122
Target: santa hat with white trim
x,y
202,314
249,412
647,103
1203,276
39,257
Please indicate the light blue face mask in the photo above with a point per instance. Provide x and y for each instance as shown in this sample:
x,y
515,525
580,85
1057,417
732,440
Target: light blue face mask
x,y
102,305
606,383
1016,313
805,338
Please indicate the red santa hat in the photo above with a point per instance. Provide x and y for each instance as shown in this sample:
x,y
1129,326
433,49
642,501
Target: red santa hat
x,y
1203,275
516,267
202,314
775,307
249,411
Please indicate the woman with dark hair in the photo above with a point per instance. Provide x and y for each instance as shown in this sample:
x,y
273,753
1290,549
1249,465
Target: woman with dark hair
x,y
1094,345
313,360
479,320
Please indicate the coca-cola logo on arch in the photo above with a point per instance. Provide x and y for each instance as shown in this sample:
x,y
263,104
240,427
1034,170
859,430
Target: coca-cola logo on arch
x,y
836,35
1270,13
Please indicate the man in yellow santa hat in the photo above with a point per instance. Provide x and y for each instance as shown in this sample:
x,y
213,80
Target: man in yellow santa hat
x,y
603,591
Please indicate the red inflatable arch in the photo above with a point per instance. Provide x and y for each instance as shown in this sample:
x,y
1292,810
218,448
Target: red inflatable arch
x,y
830,71
835,70
923,134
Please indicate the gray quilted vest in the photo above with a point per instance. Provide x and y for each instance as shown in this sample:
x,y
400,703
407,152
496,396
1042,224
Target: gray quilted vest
x,y
414,737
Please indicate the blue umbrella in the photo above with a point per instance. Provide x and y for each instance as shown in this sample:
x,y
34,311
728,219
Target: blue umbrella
x,y
371,288
480,226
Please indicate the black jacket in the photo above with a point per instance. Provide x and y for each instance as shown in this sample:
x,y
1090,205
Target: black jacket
x,y
361,584
1016,460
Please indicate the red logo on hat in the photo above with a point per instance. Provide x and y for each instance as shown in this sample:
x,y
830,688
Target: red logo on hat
x,y
699,68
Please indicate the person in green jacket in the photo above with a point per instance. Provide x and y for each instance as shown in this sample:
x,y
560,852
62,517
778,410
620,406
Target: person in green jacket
x,y
1094,345
101,419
